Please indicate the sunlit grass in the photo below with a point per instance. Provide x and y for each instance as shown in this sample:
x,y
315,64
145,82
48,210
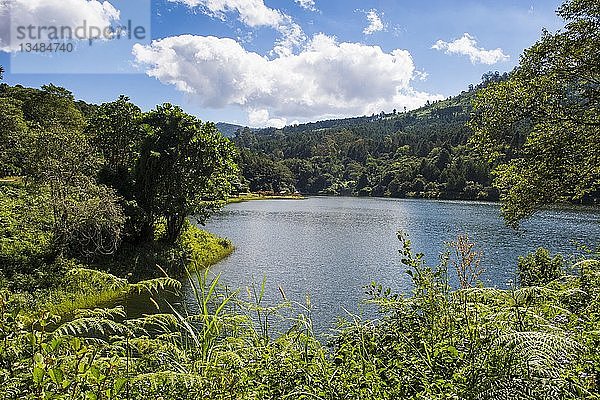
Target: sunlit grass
x,y
203,249
254,196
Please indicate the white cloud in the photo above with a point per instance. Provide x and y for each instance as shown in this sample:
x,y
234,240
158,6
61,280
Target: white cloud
x,y
375,23
55,13
325,79
307,4
254,13
292,37
260,118
467,45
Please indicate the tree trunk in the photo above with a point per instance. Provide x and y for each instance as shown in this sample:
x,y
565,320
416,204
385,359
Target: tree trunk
x,y
174,227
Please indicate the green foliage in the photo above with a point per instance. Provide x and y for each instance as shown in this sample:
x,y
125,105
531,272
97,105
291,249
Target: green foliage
x,y
185,168
203,249
26,238
194,250
542,124
540,268
78,198
73,355
115,130
86,217
485,343
50,106
14,135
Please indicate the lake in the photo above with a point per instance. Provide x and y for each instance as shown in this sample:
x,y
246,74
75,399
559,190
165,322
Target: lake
x,y
331,247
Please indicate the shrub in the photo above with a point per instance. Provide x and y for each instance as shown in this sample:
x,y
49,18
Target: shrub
x,y
539,268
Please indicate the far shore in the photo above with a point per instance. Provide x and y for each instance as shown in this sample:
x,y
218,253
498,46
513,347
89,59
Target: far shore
x,y
258,196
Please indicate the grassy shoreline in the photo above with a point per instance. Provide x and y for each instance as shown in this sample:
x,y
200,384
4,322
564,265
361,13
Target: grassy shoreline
x,y
88,287
204,249
255,196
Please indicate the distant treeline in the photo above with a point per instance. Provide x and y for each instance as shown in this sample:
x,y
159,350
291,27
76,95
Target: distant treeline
x,y
421,153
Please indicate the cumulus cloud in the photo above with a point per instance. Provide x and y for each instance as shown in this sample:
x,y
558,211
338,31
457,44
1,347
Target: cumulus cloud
x,y
375,23
56,13
261,118
325,79
467,46
307,4
254,13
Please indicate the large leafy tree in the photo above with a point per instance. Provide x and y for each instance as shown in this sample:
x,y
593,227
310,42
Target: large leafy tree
x,y
542,125
185,169
115,130
51,106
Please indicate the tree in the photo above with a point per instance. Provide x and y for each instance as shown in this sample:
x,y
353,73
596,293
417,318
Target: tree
x,y
86,217
265,175
51,106
185,169
115,129
542,125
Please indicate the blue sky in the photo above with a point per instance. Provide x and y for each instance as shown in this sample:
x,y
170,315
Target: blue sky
x,y
289,61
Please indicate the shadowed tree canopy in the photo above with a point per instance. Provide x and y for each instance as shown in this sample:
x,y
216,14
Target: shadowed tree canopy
x,y
542,125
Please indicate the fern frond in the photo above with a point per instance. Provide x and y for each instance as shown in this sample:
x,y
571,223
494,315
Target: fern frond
x,y
545,354
90,326
155,285
159,323
102,313
480,295
95,278
519,389
532,294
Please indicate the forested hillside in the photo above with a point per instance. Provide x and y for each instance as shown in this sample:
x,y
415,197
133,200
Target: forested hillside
x,y
421,153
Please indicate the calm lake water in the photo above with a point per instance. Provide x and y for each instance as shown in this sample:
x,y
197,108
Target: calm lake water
x,y
331,247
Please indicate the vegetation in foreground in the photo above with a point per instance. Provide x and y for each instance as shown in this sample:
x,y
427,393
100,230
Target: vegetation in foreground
x,y
538,341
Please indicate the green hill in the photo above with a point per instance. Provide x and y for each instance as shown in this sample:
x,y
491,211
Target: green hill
x,y
421,153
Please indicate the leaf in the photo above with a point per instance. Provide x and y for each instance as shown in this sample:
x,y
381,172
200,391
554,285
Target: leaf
x,y
91,396
57,375
119,385
38,375
38,359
